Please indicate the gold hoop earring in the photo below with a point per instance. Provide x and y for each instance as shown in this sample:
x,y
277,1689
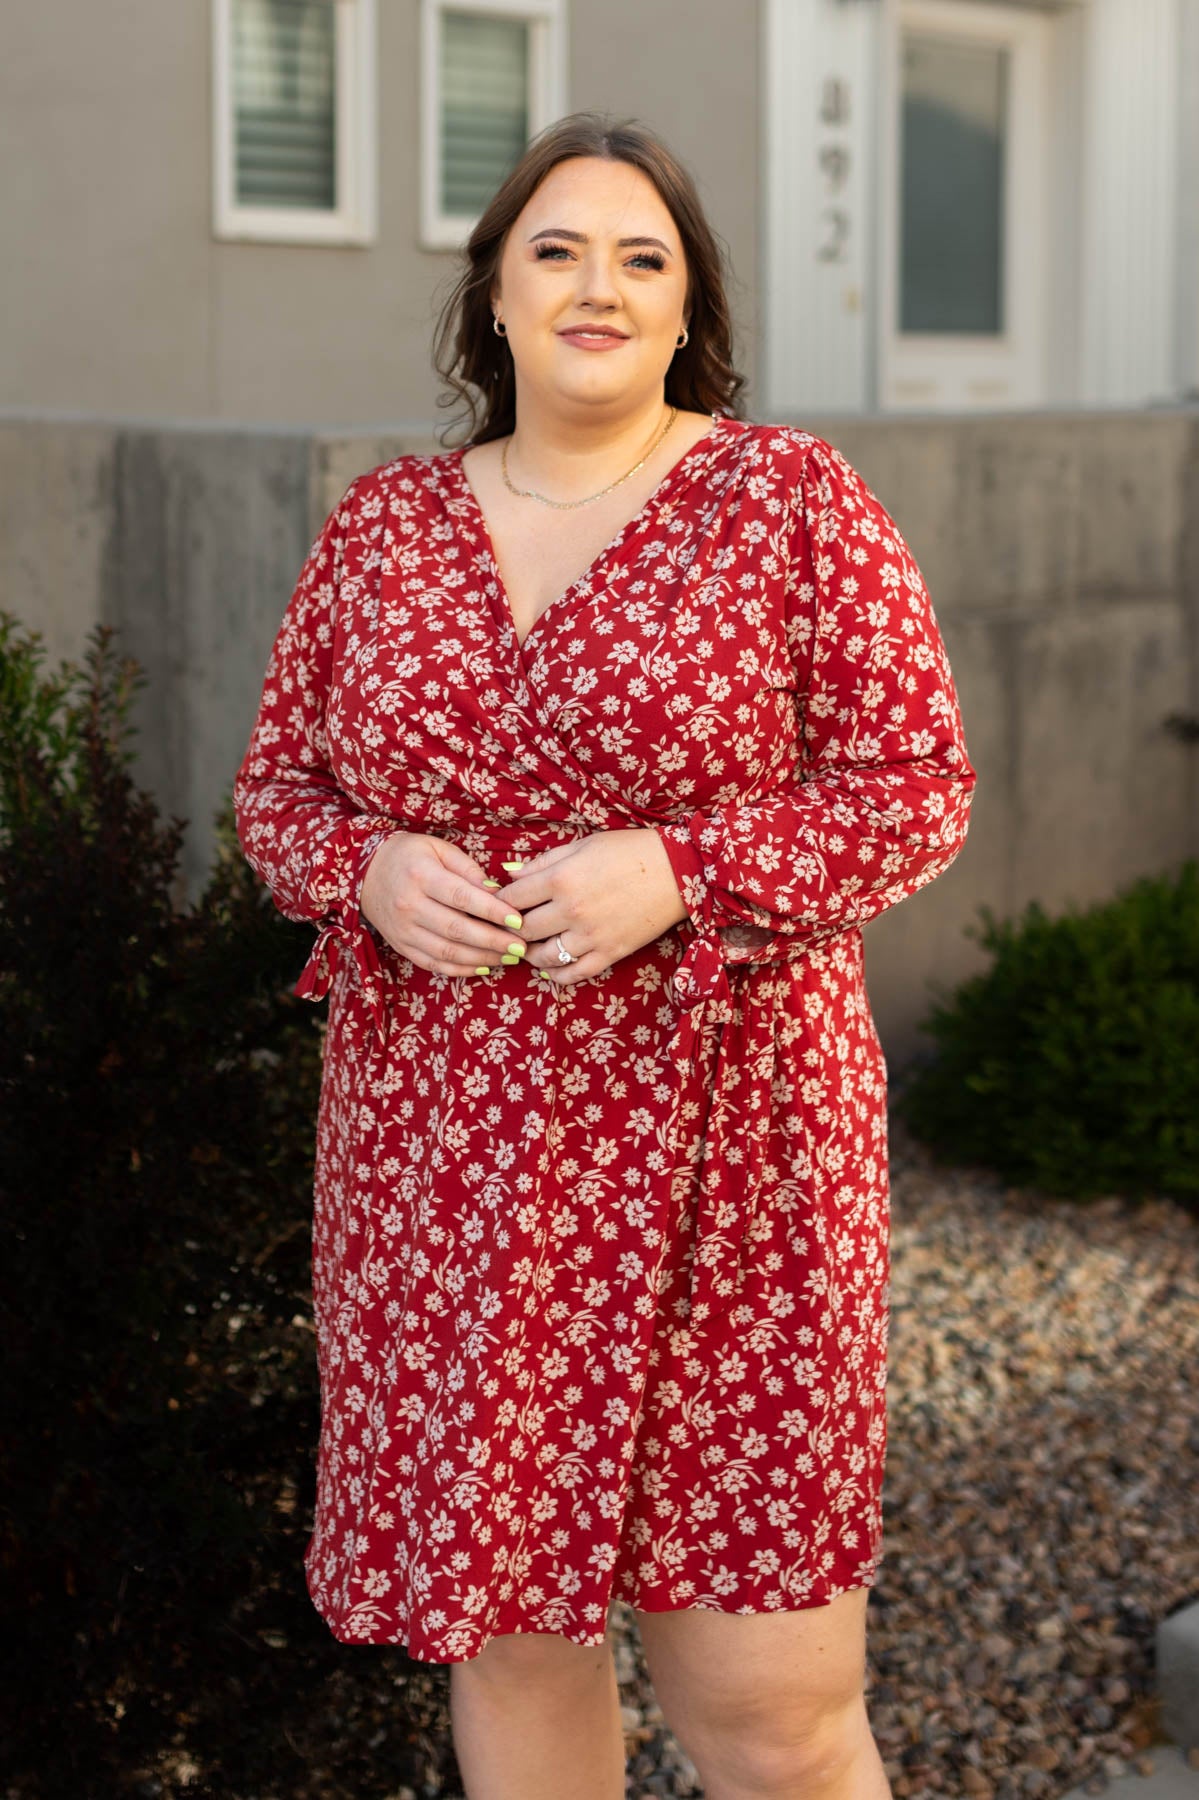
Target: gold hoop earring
x,y
495,326
685,339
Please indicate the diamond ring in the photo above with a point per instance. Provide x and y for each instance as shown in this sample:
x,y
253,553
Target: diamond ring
x,y
564,955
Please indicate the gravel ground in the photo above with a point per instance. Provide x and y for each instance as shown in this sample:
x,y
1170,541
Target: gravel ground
x,y
1041,1505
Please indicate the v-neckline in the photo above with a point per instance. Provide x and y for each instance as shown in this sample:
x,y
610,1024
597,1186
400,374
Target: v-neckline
x,y
705,443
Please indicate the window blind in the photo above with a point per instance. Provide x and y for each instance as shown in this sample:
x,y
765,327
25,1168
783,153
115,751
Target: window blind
x,y
484,105
284,86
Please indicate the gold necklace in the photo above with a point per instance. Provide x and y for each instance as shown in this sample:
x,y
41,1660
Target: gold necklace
x,y
530,494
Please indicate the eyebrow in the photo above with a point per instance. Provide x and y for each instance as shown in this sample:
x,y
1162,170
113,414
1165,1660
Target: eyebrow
x,y
580,237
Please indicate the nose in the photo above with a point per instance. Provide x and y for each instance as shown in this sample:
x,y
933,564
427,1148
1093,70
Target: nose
x,y
595,284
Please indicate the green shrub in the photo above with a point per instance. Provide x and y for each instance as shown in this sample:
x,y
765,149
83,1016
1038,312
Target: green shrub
x,y
1072,1063
158,1416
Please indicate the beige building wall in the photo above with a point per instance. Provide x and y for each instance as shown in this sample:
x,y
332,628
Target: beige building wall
x,y
117,299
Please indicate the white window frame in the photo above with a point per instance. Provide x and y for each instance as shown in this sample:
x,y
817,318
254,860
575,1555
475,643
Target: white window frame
x,y
355,218
440,230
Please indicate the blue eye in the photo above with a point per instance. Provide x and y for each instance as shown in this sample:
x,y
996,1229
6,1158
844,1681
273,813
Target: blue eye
x,y
652,257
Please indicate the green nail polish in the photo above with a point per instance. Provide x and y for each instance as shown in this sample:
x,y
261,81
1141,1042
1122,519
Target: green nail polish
x,y
545,974
490,881
513,868
483,969
510,961
514,949
513,921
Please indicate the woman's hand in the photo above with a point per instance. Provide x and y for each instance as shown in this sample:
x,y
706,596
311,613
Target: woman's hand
x,y
427,898
605,895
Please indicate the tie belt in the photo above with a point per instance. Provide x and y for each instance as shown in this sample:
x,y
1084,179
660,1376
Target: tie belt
x,y
719,1156
730,1073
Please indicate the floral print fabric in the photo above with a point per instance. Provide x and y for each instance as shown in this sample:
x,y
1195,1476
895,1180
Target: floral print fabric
x,y
601,1272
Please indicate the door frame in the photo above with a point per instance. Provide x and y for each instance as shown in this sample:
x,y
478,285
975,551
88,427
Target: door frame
x,y
972,372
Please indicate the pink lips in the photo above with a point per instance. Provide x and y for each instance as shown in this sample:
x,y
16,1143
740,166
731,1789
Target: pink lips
x,y
604,341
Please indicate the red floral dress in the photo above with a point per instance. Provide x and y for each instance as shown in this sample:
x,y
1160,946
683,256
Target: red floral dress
x,y
601,1272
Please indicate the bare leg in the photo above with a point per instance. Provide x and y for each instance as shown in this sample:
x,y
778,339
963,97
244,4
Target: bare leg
x,y
769,1706
536,1717
839,1762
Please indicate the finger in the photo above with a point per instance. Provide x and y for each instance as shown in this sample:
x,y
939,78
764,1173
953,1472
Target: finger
x,y
461,897
458,861
440,912
451,936
528,865
543,959
543,945
536,880
541,924
460,935
543,915
433,951
465,888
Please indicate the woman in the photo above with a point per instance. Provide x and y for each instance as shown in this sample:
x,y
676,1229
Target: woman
x,y
590,747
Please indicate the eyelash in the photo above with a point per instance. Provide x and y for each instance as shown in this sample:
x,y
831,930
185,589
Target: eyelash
x,y
649,256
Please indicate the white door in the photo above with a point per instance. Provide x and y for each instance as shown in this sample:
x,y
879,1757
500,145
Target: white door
x,y
963,263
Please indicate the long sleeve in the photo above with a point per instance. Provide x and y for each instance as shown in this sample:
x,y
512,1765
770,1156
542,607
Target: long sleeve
x,y
879,803
308,839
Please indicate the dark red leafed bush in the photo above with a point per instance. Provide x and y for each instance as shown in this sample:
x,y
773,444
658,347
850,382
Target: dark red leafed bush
x,y
158,1086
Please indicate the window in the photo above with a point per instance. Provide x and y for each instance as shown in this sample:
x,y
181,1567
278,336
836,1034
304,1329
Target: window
x,y
954,126
493,77
294,127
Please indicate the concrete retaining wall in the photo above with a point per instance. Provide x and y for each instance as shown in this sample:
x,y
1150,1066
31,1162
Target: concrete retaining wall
x,y
1061,551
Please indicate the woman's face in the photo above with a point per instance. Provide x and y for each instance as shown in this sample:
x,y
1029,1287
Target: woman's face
x,y
564,263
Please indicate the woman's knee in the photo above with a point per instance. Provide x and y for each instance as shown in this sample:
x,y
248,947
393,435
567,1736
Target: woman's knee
x,y
536,1656
764,1697
779,1758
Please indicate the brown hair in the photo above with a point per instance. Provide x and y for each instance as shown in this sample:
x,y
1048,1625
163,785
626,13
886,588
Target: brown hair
x,y
469,353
